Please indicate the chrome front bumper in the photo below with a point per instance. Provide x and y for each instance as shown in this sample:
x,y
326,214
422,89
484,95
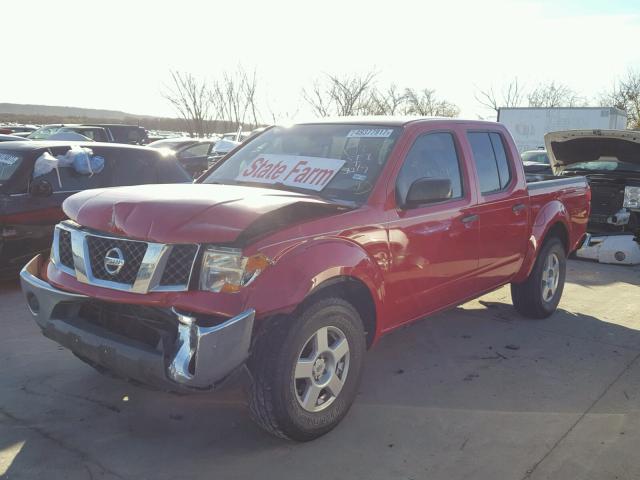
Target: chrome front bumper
x,y
200,358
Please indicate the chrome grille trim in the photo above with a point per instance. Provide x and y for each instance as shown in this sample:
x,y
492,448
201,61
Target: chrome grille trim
x,y
148,276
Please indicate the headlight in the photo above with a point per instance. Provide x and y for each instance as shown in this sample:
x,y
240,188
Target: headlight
x,y
631,197
227,270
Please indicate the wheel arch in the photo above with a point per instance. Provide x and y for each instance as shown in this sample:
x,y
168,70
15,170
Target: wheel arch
x,y
354,291
551,221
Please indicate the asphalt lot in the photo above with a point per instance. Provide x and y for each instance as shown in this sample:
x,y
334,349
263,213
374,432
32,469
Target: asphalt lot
x,y
477,392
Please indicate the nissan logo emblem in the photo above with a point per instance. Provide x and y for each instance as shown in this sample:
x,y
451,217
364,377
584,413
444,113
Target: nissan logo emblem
x,y
114,261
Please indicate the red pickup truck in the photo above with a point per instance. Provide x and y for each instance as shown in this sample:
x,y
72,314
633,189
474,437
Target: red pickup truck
x,y
299,251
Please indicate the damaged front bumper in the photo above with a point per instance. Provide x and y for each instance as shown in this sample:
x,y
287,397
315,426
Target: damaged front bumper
x,y
198,358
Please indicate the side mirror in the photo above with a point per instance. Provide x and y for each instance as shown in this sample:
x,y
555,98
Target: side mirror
x,y
428,190
40,188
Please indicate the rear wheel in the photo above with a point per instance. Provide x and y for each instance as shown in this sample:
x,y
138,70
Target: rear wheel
x,y
306,370
538,296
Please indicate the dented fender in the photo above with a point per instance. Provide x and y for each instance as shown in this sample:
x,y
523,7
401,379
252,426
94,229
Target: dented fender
x,y
305,267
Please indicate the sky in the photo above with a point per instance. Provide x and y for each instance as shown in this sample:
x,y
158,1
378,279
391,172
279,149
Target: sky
x,y
117,55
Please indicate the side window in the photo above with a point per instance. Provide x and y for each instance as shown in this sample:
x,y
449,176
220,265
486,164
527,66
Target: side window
x,y
134,168
100,136
134,136
72,181
432,155
492,165
199,150
501,159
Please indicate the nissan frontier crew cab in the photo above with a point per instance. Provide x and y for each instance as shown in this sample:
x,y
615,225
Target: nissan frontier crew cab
x,y
296,253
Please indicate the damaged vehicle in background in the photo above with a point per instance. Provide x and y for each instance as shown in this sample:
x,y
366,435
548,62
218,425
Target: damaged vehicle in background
x,y
36,177
610,160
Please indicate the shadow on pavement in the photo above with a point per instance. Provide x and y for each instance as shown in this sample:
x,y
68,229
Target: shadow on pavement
x,y
431,384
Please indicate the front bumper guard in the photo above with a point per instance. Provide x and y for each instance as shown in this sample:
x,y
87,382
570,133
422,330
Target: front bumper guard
x,y
201,358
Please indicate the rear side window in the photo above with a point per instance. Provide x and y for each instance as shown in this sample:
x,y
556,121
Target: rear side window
x,y
9,163
501,159
431,156
492,165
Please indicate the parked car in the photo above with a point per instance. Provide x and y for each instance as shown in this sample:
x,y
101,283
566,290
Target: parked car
x,y
220,149
30,207
536,163
97,134
297,253
23,135
10,138
236,136
13,129
610,160
193,153
130,134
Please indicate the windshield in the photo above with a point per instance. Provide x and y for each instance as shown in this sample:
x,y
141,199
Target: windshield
x,y
605,165
9,163
339,162
170,144
44,132
535,156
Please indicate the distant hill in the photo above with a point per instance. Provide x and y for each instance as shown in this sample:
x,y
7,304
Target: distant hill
x,y
43,114
57,111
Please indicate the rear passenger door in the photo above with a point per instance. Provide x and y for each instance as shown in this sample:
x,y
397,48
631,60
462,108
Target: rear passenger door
x,y
502,210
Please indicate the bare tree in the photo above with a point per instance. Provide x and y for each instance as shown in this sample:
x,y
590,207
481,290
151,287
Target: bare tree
x,y
386,102
511,95
424,102
234,97
554,95
191,98
341,96
626,96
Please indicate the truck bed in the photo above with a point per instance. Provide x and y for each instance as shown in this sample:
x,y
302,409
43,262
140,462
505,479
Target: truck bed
x,y
545,183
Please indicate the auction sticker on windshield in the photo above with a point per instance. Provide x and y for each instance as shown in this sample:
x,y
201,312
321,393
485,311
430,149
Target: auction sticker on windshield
x,y
312,173
370,133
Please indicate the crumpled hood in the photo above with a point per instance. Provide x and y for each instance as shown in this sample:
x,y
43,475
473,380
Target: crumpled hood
x,y
575,146
189,213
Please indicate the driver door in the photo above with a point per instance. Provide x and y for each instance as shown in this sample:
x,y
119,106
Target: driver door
x,y
434,246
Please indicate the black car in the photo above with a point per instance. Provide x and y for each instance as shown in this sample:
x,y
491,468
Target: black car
x,y
31,206
193,154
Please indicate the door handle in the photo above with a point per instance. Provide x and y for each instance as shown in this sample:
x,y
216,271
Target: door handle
x,y
469,219
518,207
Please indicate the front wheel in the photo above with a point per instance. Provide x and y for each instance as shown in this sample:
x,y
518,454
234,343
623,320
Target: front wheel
x,y
306,370
538,296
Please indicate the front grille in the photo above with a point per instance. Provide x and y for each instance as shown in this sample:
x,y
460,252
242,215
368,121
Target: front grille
x,y
132,251
167,267
179,264
152,327
64,247
605,200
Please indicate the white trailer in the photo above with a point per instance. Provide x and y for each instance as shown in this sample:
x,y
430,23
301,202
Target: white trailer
x,y
528,126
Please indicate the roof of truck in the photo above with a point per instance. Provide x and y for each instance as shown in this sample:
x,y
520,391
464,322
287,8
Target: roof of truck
x,y
389,121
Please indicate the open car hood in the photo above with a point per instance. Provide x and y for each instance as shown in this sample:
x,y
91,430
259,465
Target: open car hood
x,y
193,213
575,146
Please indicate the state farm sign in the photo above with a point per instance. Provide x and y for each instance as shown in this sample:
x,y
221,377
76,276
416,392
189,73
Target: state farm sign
x,y
313,173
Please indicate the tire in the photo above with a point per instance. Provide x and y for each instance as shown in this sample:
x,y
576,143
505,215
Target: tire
x,y
534,298
285,406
